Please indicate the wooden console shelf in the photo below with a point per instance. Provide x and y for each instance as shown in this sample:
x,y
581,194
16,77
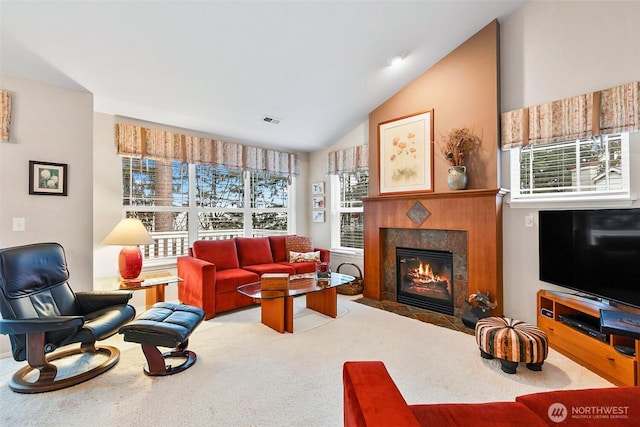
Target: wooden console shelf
x,y
595,353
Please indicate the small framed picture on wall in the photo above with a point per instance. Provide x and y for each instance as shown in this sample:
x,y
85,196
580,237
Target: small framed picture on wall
x,y
317,188
48,179
318,202
318,216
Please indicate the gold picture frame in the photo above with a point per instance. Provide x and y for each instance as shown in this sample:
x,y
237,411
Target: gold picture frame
x,y
406,154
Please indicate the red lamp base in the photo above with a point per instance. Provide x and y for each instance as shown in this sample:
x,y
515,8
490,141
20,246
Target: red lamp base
x,y
130,263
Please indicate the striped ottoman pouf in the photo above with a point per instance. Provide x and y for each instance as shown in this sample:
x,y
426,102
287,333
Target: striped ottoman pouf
x,y
511,341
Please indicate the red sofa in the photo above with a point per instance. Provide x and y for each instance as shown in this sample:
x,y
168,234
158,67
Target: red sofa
x,y
214,269
371,398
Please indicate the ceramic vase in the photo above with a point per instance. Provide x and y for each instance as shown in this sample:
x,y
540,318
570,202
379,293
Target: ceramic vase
x,y
457,177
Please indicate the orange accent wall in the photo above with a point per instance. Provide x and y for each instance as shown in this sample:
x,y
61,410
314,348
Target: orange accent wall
x,y
463,90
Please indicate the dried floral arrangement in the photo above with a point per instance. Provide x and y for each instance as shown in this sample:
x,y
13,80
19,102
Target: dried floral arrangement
x,y
457,144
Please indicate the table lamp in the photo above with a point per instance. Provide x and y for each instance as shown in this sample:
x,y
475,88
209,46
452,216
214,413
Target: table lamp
x,y
129,233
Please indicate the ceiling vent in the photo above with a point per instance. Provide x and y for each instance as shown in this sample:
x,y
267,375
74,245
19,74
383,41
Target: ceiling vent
x,y
270,119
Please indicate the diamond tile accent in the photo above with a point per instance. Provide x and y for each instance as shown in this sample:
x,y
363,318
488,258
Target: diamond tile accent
x,y
418,213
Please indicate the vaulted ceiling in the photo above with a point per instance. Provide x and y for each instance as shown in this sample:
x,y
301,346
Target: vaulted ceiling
x,y
220,67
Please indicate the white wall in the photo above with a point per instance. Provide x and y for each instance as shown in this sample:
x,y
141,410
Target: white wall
x,y
550,51
49,124
321,232
107,194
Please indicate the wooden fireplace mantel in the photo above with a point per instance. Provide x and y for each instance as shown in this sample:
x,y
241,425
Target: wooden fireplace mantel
x,y
478,212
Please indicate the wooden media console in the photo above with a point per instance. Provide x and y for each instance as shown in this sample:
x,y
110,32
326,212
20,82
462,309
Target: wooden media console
x,y
585,344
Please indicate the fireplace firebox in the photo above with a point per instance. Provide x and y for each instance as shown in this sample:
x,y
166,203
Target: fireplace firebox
x,y
425,279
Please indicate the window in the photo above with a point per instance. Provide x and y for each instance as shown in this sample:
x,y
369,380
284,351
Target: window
x,y
220,202
180,203
567,170
157,194
269,199
348,213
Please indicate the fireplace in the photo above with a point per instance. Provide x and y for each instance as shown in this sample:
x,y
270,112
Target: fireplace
x,y
424,278
467,223
452,243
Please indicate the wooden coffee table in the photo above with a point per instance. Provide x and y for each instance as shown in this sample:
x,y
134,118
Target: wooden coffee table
x,y
276,307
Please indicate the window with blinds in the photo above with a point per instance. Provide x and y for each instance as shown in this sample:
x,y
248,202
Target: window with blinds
x,y
350,188
269,191
148,182
219,199
176,200
567,170
157,193
218,187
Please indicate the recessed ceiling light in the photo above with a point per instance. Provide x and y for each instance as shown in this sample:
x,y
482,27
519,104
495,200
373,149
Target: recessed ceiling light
x,y
396,60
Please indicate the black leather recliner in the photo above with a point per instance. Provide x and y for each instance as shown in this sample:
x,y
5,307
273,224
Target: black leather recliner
x,y
40,313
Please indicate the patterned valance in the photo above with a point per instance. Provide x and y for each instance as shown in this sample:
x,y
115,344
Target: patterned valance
x,y
136,141
515,128
620,109
603,112
163,145
260,159
214,152
567,119
348,160
5,114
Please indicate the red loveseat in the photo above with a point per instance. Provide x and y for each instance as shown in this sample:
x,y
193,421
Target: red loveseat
x,y
371,398
214,269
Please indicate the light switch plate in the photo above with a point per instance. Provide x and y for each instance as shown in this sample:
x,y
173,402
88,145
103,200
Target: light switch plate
x,y
18,224
528,221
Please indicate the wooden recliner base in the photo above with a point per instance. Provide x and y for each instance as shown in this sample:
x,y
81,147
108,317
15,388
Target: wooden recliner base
x,y
156,365
46,381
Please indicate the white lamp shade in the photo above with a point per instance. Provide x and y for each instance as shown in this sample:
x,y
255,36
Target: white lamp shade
x,y
129,232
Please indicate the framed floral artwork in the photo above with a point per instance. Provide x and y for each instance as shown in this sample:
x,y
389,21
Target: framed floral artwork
x,y
48,179
406,154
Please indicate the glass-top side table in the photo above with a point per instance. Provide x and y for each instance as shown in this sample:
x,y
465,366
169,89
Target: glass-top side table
x,y
152,283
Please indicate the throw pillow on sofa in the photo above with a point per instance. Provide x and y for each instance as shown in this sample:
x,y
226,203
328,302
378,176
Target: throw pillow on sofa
x,y
299,244
304,256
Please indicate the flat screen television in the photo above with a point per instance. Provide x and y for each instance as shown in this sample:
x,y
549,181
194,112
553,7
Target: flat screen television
x,y
594,252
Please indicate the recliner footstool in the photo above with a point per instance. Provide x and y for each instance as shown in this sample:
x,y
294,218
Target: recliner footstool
x,y
512,341
165,325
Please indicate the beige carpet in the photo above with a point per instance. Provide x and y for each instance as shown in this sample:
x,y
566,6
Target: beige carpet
x,y
249,375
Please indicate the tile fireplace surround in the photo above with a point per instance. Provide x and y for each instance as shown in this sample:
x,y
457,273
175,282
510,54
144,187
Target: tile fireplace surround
x,y
399,220
445,240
